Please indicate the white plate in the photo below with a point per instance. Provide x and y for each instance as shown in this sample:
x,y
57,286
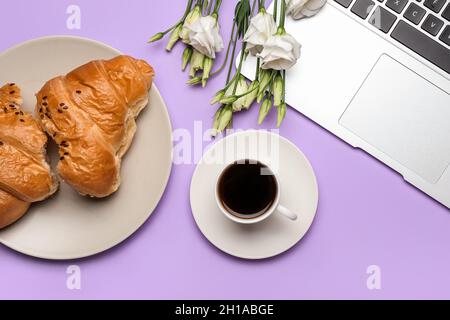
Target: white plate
x,y
69,226
298,187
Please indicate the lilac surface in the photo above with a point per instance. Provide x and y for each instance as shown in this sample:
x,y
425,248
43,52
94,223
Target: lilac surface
x,y
367,214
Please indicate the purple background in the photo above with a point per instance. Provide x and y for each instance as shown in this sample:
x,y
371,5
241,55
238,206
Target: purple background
x,y
367,214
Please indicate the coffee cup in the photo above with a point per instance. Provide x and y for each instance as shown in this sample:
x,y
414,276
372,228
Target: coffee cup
x,y
248,192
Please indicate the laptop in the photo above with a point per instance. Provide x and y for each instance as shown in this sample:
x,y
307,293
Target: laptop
x,y
376,73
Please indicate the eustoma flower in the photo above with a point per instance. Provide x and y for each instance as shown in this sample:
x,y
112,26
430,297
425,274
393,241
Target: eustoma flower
x,y
191,18
299,9
199,31
204,36
262,27
280,52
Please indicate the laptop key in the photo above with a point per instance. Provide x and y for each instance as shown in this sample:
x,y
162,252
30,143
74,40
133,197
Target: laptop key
x,y
445,36
382,19
397,5
344,3
414,13
422,44
432,24
435,5
446,13
362,8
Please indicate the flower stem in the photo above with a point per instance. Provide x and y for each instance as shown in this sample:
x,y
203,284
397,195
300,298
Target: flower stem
x,y
217,6
238,71
284,86
262,4
283,14
227,54
255,2
275,10
186,12
232,56
258,65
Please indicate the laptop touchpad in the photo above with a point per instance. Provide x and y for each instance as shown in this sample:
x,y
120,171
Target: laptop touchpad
x,y
404,116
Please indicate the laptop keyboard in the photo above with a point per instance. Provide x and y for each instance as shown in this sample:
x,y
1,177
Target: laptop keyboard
x,y
423,26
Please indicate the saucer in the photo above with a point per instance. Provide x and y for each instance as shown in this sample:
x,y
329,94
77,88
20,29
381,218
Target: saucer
x,y
298,188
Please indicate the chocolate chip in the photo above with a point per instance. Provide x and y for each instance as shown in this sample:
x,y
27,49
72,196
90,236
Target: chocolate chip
x,y
65,107
1,143
40,110
44,98
12,92
79,91
62,158
21,120
45,104
60,111
61,104
12,84
17,113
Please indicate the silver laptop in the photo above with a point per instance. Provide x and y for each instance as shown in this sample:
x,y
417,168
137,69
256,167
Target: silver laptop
x,y
376,73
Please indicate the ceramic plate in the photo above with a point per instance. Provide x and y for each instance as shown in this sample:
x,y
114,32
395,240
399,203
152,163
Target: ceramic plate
x,y
298,188
68,226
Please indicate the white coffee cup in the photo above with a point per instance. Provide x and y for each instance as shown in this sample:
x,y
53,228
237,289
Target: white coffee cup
x,y
276,207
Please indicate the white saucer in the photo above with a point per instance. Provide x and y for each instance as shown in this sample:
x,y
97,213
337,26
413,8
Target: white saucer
x,y
299,192
68,226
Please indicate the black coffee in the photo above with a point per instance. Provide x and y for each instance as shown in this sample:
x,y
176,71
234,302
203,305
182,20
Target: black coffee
x,y
247,189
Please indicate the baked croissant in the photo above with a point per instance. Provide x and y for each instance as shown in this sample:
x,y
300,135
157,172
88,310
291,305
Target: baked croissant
x,y
91,114
25,175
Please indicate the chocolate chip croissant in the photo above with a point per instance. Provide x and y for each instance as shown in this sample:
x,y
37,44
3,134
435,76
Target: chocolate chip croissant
x,y
25,175
91,113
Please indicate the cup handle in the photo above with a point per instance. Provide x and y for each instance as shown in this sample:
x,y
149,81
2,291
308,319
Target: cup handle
x,y
287,213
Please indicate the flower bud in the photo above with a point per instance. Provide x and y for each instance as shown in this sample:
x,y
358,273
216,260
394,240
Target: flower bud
x,y
219,95
278,90
264,81
240,92
225,118
253,93
196,62
194,81
228,100
281,114
207,66
264,110
156,37
260,97
174,37
187,54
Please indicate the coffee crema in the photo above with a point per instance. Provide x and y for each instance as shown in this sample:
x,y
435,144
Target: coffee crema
x,y
247,189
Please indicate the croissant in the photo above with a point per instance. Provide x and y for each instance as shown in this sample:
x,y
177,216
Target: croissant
x,y
91,114
25,175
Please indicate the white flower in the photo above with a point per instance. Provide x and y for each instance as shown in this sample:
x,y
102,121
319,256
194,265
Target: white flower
x,y
262,27
242,87
191,18
205,36
299,9
281,52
